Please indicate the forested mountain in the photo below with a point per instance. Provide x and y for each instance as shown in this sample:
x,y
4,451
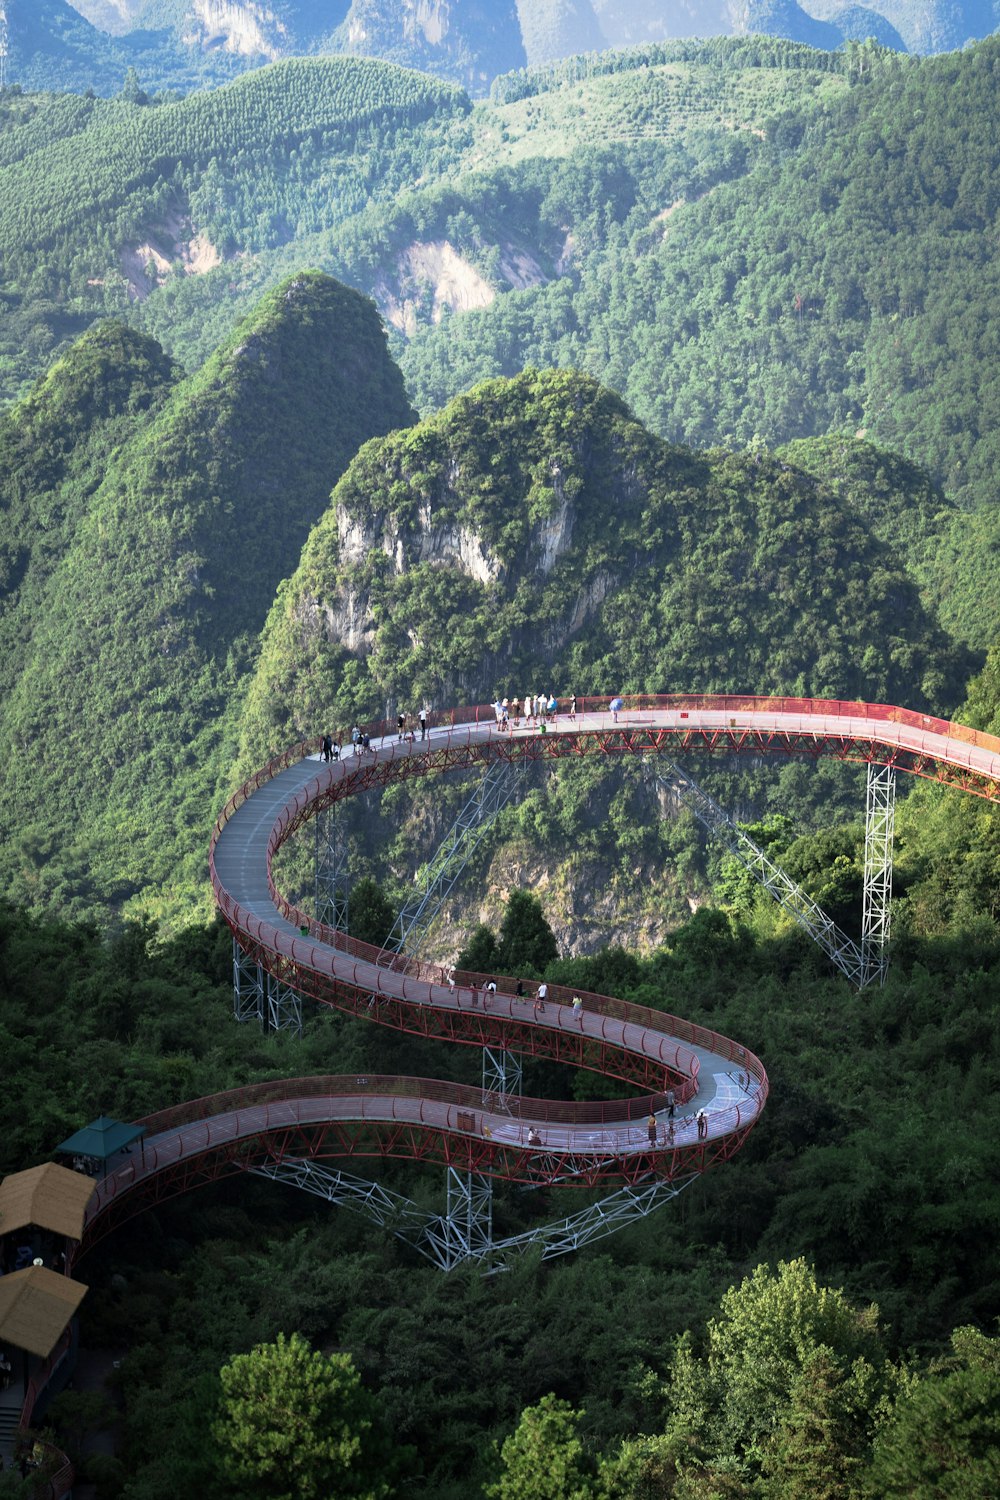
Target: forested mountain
x,y
103,201
538,509
843,264
472,42
845,280
54,450
135,632
52,44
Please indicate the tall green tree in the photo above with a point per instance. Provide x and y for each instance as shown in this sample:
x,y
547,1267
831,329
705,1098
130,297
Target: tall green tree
x,y
370,913
527,942
544,1459
295,1424
943,1440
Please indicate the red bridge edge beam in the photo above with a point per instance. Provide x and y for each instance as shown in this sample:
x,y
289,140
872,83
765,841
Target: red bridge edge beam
x,y
309,964
216,1142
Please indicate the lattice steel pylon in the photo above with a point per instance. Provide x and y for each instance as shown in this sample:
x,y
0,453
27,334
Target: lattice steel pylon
x,y
880,817
249,987
465,1232
860,964
466,1228
263,997
502,781
502,1077
331,869
284,1006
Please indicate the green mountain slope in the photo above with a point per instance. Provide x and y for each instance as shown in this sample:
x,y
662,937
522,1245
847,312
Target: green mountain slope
x,y
94,192
534,538
55,45
846,280
534,528
114,736
954,555
55,448
731,267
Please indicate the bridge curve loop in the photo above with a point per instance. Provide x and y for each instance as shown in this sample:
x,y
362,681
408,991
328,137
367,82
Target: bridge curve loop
x,y
519,1139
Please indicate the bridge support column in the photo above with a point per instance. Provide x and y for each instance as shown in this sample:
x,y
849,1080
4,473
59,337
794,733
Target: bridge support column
x,y
332,874
502,1074
248,986
880,817
465,1231
284,1007
501,783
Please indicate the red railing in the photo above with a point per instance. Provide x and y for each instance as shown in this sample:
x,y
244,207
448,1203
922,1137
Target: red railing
x,y
456,1096
321,960
55,1471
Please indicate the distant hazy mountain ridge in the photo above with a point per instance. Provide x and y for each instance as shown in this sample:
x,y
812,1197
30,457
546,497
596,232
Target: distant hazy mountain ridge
x,y
469,41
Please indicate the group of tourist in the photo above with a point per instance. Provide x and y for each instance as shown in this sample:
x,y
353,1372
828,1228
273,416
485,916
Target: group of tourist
x,y
535,709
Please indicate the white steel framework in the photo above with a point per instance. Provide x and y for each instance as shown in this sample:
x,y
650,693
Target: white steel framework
x,y
880,817
284,1006
502,1075
249,987
465,1231
332,869
502,781
261,997
860,964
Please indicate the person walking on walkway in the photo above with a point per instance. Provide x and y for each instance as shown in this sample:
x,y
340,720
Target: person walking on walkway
x,y
702,1125
401,724
671,1103
578,1008
327,748
423,723
540,999
651,1129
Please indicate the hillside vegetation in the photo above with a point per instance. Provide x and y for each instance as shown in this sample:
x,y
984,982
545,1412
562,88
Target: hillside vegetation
x,y
115,734
843,280
538,510
747,238
87,184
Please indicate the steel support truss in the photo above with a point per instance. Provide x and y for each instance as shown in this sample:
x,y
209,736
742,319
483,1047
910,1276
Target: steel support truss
x,y
284,1006
263,997
332,870
502,781
502,1077
464,1232
249,986
880,817
861,965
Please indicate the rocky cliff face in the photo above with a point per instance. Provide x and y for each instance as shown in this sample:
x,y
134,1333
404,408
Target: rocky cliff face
x,y
470,41
239,26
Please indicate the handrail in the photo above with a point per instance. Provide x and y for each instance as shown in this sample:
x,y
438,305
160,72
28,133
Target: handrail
x,y
318,954
60,1479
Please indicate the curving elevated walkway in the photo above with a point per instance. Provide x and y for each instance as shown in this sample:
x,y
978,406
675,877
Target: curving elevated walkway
x,y
518,1139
